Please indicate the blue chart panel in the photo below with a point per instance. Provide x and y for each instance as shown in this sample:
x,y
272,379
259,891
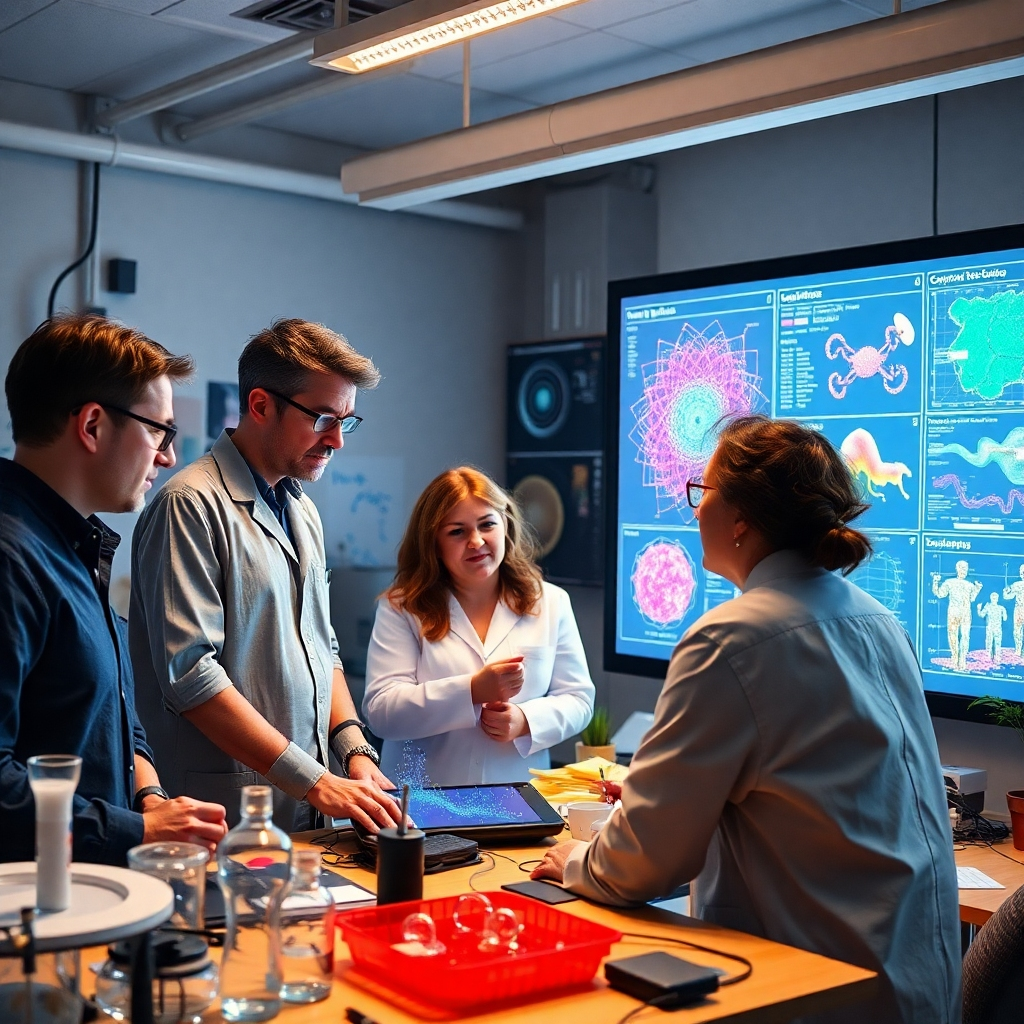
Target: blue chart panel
x,y
668,588
914,371
974,614
884,453
975,472
850,343
892,576
685,366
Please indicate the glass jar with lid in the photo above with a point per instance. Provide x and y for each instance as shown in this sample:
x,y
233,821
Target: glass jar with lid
x,y
184,981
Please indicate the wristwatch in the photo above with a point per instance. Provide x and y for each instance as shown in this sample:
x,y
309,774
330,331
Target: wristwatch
x,y
148,791
364,750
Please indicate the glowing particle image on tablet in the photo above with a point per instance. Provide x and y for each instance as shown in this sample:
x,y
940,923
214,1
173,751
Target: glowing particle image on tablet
x,y
664,582
690,386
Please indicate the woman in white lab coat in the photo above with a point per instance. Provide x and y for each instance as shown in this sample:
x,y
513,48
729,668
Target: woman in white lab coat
x,y
475,667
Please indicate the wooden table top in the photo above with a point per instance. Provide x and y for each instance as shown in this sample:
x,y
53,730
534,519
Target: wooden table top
x,y
1006,866
785,982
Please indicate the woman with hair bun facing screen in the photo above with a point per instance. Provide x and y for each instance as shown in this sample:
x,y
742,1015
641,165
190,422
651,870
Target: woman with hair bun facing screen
x,y
475,666
792,770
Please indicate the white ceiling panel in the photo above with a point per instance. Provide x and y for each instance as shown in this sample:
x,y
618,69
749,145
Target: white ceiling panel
x,y
597,14
136,7
13,11
771,33
82,47
215,16
674,27
582,55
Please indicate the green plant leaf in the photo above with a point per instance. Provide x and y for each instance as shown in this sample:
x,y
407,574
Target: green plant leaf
x,y
598,731
1003,712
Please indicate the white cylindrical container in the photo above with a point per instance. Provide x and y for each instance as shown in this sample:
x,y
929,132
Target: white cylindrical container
x,y
53,778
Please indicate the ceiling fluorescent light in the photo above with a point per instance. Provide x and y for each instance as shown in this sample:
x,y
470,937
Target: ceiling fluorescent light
x,y
951,45
421,26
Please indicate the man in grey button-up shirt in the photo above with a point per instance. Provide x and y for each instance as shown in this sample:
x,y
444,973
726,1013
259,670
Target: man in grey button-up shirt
x,y
237,667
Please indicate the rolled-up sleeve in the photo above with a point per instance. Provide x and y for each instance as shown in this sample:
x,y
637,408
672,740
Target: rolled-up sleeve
x,y
398,705
699,752
567,706
176,577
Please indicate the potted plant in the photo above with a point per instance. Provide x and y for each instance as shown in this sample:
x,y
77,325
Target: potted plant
x,y
595,740
1011,714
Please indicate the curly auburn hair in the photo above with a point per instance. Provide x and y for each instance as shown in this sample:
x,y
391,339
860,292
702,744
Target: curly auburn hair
x,y
794,488
422,584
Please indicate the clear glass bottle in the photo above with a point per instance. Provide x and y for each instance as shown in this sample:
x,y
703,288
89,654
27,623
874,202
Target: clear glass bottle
x,y
307,933
253,869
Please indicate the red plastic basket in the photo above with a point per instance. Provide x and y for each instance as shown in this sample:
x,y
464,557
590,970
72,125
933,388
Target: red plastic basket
x,y
556,950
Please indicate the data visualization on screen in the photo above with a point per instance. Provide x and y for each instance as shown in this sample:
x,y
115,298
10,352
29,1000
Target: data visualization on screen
x,y
914,370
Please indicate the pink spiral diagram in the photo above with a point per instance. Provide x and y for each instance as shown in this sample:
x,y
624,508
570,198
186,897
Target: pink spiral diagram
x,y
689,387
664,582
1005,505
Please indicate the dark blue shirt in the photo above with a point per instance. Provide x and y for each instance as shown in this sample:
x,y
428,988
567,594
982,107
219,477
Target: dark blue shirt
x,y
277,497
66,682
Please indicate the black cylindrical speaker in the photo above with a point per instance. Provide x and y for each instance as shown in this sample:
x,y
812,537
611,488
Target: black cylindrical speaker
x,y
399,865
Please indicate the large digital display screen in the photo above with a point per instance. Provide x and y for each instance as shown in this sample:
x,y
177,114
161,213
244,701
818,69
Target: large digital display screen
x,y
911,365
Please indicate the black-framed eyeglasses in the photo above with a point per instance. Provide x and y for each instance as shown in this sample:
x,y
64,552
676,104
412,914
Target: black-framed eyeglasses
x,y
695,492
324,421
169,429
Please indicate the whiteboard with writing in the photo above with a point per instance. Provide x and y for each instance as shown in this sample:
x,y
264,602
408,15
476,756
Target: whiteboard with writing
x,y
361,500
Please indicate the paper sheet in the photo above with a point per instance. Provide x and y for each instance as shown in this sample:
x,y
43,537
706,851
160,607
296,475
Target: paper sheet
x,y
972,878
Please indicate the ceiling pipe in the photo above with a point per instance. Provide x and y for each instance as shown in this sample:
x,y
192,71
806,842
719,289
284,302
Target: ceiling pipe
x,y
110,150
267,105
946,46
248,64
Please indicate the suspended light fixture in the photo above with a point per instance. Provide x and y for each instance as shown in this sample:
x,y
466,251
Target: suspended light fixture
x,y
421,26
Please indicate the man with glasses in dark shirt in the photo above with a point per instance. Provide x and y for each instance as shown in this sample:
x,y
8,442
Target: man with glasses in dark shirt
x,y
90,405
238,668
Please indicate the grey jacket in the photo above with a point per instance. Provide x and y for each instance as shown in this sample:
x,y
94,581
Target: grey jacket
x,y
792,771
221,596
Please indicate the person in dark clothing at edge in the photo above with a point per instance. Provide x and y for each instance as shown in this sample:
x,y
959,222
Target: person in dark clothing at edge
x,y
91,415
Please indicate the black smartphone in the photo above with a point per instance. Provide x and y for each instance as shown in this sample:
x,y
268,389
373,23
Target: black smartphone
x,y
543,891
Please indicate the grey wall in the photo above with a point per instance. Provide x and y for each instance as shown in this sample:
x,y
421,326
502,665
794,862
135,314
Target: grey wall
x,y
849,180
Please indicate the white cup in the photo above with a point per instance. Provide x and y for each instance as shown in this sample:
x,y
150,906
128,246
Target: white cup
x,y
53,778
585,819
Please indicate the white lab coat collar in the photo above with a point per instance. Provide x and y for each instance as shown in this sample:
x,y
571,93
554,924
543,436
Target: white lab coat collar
x,y
502,622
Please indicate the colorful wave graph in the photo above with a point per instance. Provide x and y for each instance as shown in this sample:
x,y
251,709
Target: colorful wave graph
x,y
1007,454
1005,505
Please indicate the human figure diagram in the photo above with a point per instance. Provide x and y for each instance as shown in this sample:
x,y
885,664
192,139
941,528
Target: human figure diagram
x,y
961,593
994,615
1015,592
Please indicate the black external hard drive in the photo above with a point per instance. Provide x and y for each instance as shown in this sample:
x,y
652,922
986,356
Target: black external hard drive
x,y
656,975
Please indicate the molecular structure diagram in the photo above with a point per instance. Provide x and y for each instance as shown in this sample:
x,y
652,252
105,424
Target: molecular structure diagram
x,y
867,361
664,582
692,384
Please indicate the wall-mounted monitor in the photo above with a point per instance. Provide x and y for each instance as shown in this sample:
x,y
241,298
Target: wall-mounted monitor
x,y
909,357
